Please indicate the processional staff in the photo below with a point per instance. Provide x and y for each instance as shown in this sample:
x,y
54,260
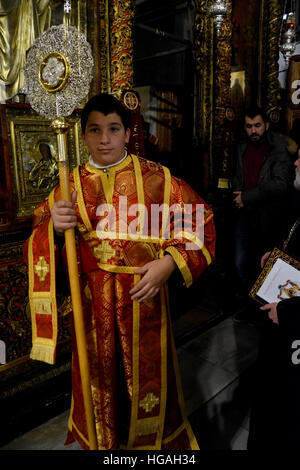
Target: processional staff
x,y
58,72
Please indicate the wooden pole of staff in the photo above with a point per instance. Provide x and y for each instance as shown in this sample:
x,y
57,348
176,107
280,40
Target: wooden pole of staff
x,y
61,128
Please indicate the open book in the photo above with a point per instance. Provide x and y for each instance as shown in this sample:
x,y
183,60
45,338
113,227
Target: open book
x,y
278,280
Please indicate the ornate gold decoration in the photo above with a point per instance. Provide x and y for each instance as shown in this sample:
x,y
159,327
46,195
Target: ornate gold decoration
x,y
204,33
67,57
42,306
149,402
223,71
222,94
103,9
104,251
121,46
34,173
114,48
143,429
131,100
60,125
41,268
21,23
54,71
213,83
274,10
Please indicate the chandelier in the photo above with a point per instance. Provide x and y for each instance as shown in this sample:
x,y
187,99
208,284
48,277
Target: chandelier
x,y
218,11
288,34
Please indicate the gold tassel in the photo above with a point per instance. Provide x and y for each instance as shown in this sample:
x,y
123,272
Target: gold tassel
x,y
42,352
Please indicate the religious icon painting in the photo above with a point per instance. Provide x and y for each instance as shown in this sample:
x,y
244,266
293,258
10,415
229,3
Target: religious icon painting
x,y
34,153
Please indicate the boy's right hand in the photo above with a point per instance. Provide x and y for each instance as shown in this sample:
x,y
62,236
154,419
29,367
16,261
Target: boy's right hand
x,y
64,215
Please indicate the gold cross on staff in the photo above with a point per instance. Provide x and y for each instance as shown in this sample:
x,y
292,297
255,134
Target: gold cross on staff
x,y
41,268
149,402
104,251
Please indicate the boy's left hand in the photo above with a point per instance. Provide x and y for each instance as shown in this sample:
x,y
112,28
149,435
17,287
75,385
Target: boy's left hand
x,y
155,274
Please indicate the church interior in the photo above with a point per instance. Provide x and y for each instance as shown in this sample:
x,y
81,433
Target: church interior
x,y
188,70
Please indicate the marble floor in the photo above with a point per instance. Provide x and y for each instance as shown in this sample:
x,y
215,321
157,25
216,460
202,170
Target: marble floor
x,y
216,367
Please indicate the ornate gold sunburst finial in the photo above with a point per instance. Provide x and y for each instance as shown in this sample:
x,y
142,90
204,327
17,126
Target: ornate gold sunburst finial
x,y
61,80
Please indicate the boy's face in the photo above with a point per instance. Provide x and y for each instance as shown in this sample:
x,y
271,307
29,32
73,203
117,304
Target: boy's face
x,y
105,137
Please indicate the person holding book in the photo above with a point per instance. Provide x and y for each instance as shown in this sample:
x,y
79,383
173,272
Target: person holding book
x,y
275,411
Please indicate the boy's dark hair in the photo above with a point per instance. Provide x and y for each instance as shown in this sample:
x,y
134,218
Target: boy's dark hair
x,y
255,110
105,104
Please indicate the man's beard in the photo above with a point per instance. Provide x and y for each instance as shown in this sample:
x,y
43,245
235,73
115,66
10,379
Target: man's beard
x,y
297,180
256,139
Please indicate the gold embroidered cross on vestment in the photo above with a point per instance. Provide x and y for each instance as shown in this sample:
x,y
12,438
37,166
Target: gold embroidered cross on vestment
x,y
149,402
41,268
104,251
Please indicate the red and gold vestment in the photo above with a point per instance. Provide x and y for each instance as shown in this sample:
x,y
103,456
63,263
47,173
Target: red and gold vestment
x,y
136,388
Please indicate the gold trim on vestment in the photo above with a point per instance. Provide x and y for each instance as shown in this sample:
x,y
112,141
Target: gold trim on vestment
x,y
140,190
108,187
135,368
43,349
80,200
167,195
108,184
175,433
147,426
96,234
163,349
72,425
51,199
194,239
181,264
154,424
118,269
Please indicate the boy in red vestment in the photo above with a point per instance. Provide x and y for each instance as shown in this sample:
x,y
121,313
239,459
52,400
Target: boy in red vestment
x,y
124,261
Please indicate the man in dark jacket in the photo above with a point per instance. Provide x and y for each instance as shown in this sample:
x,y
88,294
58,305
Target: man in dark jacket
x,y
262,180
275,408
